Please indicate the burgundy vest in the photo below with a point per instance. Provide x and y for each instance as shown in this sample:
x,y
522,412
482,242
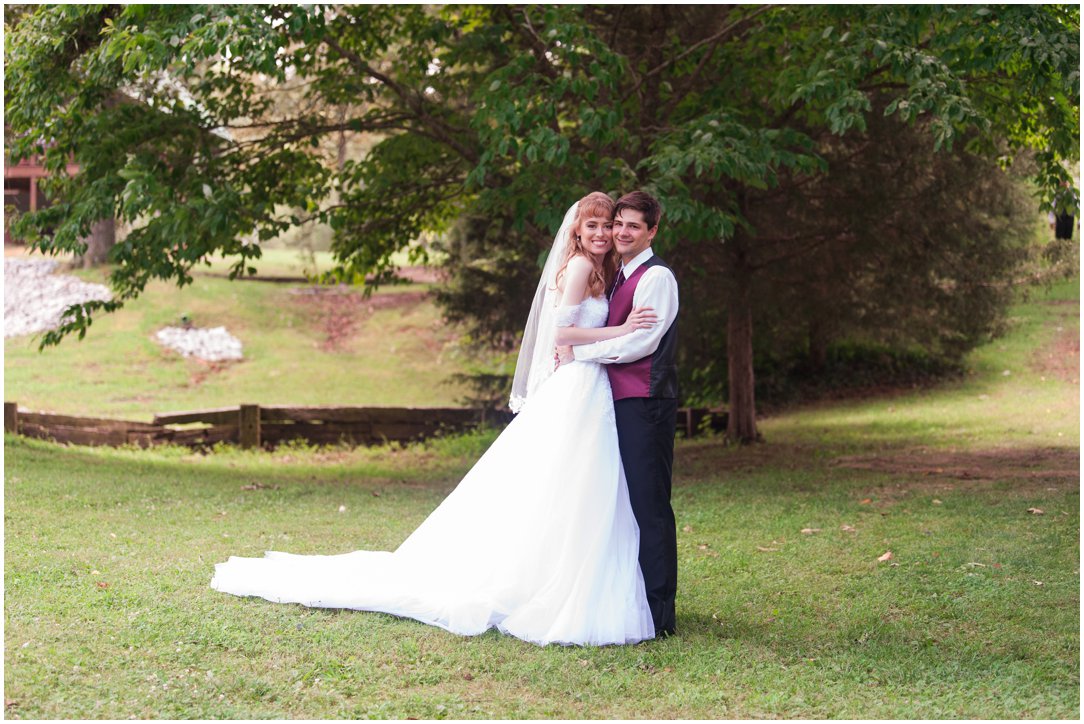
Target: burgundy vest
x,y
656,374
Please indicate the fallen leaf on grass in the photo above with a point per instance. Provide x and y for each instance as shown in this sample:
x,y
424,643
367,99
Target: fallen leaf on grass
x,y
95,573
977,565
1037,583
103,584
10,703
342,508
886,557
762,549
254,486
1035,511
584,662
936,501
847,528
865,501
468,676
687,529
810,531
376,493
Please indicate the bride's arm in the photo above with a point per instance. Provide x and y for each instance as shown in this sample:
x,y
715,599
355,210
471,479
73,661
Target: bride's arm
x,y
574,289
640,318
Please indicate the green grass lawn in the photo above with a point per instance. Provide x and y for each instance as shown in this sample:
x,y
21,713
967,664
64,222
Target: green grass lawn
x,y
108,556
399,351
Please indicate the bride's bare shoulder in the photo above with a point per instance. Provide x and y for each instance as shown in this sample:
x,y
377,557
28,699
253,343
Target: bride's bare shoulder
x,y
577,271
580,262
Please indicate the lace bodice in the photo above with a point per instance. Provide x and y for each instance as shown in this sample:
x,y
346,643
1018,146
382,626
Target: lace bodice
x,y
590,313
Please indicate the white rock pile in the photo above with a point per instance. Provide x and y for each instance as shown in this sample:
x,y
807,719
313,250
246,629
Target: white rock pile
x,y
213,344
35,298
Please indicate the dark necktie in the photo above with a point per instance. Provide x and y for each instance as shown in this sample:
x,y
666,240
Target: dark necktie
x,y
618,282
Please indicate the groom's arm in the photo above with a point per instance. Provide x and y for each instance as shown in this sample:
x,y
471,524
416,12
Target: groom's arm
x,y
657,289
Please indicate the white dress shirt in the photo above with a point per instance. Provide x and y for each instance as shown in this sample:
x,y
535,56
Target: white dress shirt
x,y
657,289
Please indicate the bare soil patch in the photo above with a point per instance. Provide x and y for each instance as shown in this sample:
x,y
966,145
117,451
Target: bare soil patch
x,y
419,274
703,459
338,312
1061,357
1038,464
205,369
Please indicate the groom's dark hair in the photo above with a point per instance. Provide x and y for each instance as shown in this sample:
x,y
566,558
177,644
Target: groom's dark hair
x,y
643,202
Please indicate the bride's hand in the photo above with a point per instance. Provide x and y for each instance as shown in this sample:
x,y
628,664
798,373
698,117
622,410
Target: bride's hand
x,y
640,318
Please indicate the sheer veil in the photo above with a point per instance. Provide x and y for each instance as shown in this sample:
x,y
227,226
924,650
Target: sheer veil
x,y
535,363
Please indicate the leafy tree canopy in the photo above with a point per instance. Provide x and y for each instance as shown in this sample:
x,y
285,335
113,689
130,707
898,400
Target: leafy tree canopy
x,y
502,112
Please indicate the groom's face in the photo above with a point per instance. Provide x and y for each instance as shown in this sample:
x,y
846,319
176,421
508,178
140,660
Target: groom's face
x,y
631,234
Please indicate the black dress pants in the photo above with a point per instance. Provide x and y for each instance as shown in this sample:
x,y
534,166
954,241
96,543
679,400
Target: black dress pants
x,y
645,434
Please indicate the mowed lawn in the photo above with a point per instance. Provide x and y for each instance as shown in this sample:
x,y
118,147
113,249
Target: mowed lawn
x,y
784,608
302,345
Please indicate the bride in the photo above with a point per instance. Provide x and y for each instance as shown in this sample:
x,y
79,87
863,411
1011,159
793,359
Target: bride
x,y
538,539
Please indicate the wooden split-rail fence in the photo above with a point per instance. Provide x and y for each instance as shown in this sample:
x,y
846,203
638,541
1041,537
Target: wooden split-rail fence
x,y
265,426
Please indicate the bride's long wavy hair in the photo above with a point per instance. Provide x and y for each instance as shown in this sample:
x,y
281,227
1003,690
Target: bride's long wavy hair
x,y
596,204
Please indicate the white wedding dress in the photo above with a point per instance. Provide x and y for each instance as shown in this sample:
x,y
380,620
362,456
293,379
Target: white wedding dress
x,y
538,540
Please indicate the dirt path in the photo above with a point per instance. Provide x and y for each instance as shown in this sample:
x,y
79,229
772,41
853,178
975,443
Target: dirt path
x,y
1040,463
337,312
1060,358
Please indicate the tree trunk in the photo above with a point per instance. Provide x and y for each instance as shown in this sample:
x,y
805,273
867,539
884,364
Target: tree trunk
x,y
742,423
102,237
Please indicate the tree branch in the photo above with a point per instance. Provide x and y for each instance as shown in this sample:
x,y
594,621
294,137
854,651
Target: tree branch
x,y
714,39
538,46
440,130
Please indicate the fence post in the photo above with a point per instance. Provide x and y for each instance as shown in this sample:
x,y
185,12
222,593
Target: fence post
x,y
11,417
248,426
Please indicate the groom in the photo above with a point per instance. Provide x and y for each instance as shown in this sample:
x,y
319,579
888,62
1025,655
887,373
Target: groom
x,y
643,376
